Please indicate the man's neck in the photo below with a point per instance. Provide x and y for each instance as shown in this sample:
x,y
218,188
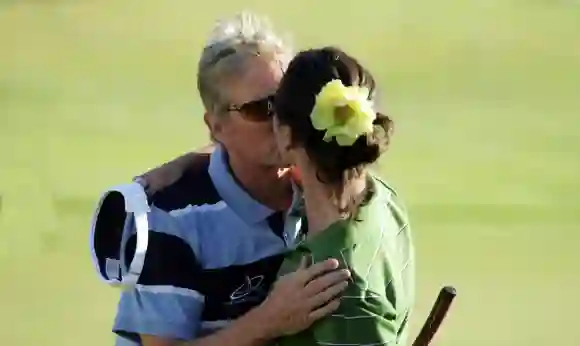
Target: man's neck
x,y
263,183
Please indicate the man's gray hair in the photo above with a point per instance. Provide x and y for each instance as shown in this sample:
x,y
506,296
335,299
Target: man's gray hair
x,y
231,42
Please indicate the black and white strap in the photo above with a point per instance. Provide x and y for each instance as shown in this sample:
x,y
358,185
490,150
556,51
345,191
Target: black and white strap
x,y
116,271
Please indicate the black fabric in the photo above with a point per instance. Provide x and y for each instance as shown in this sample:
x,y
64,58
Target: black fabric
x,y
194,187
276,223
232,291
303,232
170,261
109,229
229,292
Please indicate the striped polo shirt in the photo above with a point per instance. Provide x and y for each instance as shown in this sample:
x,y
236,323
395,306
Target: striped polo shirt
x,y
212,253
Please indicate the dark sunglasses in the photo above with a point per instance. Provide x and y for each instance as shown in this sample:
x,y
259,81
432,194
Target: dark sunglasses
x,y
257,110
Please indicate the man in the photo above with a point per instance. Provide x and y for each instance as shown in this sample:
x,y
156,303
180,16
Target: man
x,y
185,284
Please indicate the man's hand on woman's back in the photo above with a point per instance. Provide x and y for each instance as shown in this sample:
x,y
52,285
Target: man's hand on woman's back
x,y
300,298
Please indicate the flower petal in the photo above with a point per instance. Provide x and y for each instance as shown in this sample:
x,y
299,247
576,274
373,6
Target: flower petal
x,y
327,137
322,117
345,141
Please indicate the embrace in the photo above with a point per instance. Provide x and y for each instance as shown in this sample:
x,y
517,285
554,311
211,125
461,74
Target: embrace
x,y
279,234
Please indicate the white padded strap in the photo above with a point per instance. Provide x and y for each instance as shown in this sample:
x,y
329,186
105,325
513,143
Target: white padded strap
x,y
136,205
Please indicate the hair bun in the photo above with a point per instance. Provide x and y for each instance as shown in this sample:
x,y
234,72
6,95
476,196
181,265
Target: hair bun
x,y
368,148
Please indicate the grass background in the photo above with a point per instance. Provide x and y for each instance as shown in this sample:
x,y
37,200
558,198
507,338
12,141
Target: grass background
x,y
486,96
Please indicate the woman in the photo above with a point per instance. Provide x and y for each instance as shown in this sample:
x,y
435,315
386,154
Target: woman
x,y
326,126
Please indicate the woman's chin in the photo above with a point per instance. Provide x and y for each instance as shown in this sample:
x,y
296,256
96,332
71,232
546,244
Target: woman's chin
x,y
283,172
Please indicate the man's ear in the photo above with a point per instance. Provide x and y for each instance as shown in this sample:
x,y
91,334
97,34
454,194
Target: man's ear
x,y
213,125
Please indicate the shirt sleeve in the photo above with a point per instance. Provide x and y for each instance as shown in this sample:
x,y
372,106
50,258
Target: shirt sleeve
x,y
363,318
164,302
163,311
367,314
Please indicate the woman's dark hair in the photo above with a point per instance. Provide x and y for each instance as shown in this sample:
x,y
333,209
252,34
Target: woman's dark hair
x,y
307,74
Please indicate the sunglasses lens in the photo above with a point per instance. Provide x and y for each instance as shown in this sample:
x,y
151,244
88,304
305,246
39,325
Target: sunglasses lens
x,y
259,110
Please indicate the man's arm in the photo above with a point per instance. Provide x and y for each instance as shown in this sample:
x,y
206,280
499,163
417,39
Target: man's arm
x,y
164,301
248,330
168,173
160,297
297,300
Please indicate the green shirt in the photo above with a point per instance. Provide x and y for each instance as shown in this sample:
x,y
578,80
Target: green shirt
x,y
376,246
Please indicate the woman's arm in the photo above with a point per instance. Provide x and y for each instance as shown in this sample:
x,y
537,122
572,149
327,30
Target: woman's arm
x,y
363,318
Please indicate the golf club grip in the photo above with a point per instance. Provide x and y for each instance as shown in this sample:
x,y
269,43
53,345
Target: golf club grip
x,y
436,316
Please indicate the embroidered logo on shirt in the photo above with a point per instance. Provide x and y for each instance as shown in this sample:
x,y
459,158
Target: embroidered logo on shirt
x,y
244,292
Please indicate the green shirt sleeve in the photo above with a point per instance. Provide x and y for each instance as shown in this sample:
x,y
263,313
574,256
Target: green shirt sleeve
x,y
364,317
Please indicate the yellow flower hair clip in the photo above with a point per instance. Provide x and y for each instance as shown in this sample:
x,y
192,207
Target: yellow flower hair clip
x,y
344,112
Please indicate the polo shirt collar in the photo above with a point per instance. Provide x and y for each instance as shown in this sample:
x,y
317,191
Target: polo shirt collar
x,y
247,208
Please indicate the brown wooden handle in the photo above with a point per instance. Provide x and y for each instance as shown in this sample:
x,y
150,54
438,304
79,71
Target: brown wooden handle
x,y
436,316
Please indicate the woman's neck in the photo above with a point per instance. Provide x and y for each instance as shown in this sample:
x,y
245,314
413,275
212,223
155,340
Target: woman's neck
x,y
322,210
263,183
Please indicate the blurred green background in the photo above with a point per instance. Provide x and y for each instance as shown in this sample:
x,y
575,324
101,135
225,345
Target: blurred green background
x,y
485,94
